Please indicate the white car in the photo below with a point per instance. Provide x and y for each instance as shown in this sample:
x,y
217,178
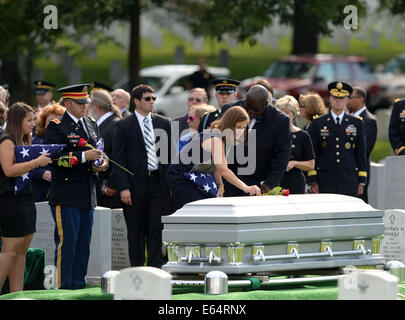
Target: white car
x,y
169,82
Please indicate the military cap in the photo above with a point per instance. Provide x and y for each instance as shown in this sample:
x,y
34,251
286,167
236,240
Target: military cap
x,y
225,85
77,92
42,87
98,85
340,89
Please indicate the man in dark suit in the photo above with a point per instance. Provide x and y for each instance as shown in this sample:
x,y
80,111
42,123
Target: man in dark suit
x,y
396,129
358,109
145,194
225,93
72,196
269,130
121,99
340,147
101,109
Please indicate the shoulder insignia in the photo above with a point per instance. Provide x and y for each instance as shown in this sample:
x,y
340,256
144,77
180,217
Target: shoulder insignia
x,y
92,119
57,121
396,100
315,116
361,118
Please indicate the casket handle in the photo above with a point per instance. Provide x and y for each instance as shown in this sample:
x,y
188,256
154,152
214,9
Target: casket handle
x,y
212,258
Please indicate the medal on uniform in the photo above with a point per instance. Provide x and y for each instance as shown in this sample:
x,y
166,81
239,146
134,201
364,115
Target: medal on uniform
x,y
351,129
324,144
324,132
347,145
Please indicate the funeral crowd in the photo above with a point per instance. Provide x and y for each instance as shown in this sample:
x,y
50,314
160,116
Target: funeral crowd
x,y
104,147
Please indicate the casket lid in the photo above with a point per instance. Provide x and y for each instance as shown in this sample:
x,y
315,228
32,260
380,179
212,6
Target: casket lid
x,y
273,209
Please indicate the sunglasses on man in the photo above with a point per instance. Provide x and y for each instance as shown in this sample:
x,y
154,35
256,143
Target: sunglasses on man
x,y
191,99
150,98
191,118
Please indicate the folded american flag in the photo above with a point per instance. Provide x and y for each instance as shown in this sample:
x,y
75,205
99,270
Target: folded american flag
x,y
204,181
27,153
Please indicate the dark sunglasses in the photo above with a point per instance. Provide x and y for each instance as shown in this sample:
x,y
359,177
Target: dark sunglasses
x,y
149,98
191,118
191,99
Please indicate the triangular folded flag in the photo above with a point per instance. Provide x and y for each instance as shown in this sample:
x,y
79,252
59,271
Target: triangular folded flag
x,y
27,153
204,181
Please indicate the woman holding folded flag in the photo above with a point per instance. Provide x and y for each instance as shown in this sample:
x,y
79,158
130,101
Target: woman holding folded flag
x,y
17,212
202,162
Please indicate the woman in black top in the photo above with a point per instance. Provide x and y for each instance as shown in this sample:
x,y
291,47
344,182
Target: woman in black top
x,y
302,156
210,158
17,213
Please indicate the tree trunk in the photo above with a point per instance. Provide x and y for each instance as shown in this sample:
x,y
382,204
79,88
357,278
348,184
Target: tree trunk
x,y
305,36
134,46
10,74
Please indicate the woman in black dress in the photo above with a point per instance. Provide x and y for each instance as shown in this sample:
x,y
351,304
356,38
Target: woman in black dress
x,y
302,156
206,153
17,213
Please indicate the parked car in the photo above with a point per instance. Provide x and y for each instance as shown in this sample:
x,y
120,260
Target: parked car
x,y
169,82
391,77
294,75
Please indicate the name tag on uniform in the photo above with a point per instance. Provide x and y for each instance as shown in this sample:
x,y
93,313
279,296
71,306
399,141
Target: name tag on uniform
x,y
73,138
351,129
325,132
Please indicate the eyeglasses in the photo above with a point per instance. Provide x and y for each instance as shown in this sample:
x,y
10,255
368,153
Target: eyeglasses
x,y
149,98
191,99
191,118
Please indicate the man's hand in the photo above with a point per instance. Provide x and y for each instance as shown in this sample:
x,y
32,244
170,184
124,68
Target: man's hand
x,y
264,188
109,192
103,166
47,176
92,154
314,188
126,197
360,190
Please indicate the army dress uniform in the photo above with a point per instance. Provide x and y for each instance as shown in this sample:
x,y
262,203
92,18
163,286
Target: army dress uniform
x,y
221,86
340,149
72,195
396,130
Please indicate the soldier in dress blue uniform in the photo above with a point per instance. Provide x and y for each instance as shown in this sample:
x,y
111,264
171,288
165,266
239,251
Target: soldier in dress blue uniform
x,y
225,93
72,196
340,147
44,93
396,130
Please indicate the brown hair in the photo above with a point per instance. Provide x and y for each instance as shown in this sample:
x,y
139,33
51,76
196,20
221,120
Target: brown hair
x,y
313,103
15,117
229,120
55,109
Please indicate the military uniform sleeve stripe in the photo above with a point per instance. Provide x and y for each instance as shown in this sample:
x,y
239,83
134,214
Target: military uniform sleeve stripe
x,y
362,174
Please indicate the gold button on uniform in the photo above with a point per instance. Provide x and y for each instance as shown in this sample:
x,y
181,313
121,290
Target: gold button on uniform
x,y
337,139
337,146
337,160
337,153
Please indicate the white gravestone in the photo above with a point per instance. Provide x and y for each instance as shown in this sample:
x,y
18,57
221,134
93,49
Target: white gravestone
x,y
376,187
100,246
119,242
143,283
395,182
368,285
393,245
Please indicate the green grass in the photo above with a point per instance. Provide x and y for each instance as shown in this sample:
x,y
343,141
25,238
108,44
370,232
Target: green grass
x,y
382,149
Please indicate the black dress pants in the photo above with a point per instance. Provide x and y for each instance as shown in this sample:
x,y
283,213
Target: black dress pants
x,y
143,220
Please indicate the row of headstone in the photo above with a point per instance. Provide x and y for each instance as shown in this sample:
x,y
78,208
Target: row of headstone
x,y
108,248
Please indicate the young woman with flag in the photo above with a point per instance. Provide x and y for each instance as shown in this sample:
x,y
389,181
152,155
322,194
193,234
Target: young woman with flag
x,y
17,213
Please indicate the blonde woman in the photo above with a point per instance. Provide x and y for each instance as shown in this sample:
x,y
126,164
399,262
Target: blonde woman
x,y
311,107
302,153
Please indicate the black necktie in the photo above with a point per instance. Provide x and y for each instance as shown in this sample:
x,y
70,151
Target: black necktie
x,y
81,125
338,121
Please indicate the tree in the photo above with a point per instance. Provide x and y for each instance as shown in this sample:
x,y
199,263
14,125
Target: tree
x,y
245,18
